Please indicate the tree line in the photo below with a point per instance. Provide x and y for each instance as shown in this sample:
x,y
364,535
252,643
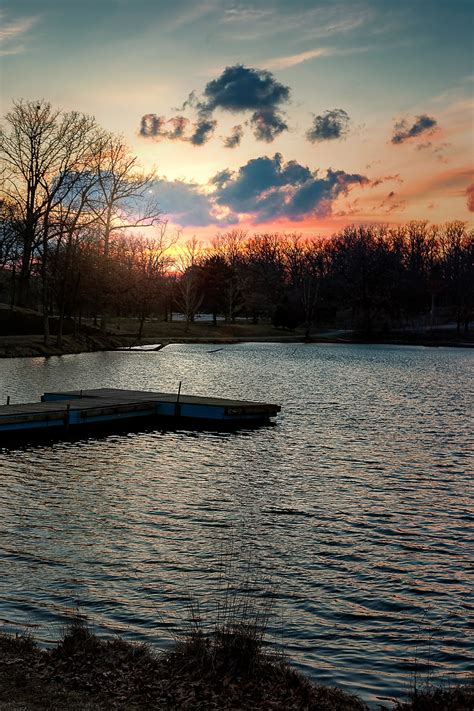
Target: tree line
x,y
73,202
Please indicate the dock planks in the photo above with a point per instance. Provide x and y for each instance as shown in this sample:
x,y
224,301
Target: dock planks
x,y
72,409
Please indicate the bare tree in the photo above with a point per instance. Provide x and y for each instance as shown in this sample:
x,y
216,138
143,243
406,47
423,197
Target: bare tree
x,y
230,247
123,199
152,263
304,264
189,296
44,154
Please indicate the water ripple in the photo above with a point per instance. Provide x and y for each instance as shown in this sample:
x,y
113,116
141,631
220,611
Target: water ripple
x,y
356,508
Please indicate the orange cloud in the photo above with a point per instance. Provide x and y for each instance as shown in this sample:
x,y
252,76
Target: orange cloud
x,y
470,197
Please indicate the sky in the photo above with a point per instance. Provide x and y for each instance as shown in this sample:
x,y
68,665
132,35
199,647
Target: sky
x,y
300,116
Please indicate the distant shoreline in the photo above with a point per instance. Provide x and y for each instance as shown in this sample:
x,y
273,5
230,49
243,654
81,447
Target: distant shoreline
x,y
32,346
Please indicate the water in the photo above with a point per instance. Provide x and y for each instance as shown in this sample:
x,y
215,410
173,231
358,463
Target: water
x,y
356,507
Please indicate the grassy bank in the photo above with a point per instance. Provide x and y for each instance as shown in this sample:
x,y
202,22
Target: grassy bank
x,y
121,335
230,669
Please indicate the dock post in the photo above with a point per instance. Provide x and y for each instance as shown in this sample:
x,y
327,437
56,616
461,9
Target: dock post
x,y
8,399
177,408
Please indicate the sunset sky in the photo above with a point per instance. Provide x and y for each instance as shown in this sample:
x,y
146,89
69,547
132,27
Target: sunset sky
x,y
292,116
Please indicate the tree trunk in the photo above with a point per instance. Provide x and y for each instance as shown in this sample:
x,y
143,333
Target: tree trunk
x,y
59,337
45,287
432,310
140,328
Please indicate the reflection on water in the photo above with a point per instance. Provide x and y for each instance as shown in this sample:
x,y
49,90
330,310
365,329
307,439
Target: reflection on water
x,y
356,504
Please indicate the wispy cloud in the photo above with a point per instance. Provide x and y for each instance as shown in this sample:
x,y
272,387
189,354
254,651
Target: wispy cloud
x,y
189,16
12,31
470,197
293,59
404,131
248,24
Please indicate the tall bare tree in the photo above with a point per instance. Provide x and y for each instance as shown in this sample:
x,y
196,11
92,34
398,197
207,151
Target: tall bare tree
x,y
123,199
188,295
44,154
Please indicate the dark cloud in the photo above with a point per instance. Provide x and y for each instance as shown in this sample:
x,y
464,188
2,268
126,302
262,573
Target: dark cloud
x,y
179,125
267,188
470,197
221,178
191,102
385,178
235,137
153,126
203,130
237,89
329,126
242,88
423,124
267,124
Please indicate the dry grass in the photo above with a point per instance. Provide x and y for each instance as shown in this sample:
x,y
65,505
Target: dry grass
x,y
225,671
459,697
156,330
228,669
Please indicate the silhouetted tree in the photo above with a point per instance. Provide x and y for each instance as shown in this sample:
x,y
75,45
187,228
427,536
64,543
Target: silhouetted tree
x,y
43,153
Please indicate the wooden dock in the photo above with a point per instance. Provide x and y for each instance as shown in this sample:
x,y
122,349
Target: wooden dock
x,y
62,412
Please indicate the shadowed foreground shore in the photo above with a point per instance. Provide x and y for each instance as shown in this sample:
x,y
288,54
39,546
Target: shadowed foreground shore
x,y
232,669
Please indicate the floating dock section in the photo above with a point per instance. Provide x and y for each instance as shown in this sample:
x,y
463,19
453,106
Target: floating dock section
x,y
75,410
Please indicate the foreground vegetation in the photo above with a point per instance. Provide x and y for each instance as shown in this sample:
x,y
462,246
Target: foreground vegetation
x,y
230,669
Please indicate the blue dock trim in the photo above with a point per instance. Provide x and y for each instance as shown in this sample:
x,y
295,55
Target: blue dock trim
x,y
86,408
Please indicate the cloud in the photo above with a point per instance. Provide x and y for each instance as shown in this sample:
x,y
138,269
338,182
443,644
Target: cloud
x,y
151,126
241,88
470,197
267,124
154,126
203,130
235,137
436,150
303,20
329,126
261,190
292,60
237,89
268,188
391,204
377,181
11,31
178,128
184,203
423,124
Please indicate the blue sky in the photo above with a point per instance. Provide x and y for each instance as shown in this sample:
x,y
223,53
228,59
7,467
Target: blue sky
x,y
320,86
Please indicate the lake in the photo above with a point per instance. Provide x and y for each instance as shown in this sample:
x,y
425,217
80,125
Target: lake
x,y
355,508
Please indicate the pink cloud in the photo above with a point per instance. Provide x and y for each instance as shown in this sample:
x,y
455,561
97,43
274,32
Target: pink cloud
x,y
470,197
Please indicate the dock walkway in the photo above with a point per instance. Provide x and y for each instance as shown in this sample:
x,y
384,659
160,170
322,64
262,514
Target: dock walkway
x,y
88,408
